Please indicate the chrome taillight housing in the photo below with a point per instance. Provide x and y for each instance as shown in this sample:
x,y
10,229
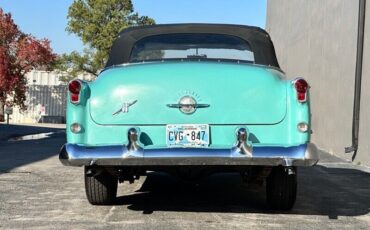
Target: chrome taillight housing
x,y
74,88
301,87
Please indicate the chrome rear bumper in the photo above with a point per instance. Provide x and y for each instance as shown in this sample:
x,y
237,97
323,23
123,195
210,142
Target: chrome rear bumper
x,y
77,155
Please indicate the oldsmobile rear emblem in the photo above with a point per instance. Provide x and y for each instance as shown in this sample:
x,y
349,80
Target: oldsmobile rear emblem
x,y
187,105
124,108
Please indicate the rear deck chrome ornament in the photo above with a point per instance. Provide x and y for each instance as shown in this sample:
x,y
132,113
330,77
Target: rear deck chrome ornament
x,y
124,108
188,105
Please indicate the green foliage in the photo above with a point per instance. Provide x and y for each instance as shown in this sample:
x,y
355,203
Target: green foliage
x,y
97,23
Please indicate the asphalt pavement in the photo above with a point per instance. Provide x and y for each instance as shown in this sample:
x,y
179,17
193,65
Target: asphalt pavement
x,y
37,192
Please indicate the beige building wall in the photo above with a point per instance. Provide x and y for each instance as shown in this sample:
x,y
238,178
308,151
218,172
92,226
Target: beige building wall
x,y
317,40
44,90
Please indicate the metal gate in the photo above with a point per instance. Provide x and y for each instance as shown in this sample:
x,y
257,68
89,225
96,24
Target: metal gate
x,y
42,100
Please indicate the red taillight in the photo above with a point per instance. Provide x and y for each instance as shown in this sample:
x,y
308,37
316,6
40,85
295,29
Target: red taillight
x,y
301,86
74,88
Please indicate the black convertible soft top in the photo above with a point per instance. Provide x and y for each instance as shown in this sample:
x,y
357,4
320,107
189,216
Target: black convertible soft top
x,y
258,39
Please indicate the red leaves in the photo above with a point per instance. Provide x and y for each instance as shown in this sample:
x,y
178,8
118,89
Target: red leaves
x,y
19,53
32,53
8,29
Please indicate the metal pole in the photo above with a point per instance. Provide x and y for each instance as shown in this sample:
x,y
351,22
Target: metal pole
x,y
358,78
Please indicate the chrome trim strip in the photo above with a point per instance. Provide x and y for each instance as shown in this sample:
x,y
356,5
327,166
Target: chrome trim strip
x,y
119,155
178,106
189,60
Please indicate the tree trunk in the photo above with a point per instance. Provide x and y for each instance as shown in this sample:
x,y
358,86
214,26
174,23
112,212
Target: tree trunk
x,y
2,107
2,112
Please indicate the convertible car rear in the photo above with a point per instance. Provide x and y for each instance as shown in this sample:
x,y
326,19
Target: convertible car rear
x,y
190,99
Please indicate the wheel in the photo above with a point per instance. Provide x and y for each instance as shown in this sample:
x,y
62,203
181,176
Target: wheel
x,y
101,189
281,188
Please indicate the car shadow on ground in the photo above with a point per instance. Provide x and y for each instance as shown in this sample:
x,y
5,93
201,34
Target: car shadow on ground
x,y
322,190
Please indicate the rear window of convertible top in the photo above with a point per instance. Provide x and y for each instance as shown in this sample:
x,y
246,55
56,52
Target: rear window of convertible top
x,y
191,46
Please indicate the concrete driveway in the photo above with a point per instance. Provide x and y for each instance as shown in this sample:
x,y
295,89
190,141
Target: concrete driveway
x,y
36,191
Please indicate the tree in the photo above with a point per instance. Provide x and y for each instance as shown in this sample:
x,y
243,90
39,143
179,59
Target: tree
x,y
97,23
19,53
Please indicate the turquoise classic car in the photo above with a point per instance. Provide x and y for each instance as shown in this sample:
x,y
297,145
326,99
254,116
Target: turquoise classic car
x,y
191,100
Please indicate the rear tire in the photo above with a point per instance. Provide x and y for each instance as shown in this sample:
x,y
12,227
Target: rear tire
x,y
101,189
281,188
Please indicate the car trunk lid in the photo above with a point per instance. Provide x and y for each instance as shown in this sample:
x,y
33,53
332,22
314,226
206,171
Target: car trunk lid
x,y
140,94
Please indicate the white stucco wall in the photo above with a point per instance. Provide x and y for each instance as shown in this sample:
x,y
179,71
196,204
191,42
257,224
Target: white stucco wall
x,y
317,40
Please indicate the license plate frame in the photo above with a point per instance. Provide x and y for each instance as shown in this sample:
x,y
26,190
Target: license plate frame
x,y
187,135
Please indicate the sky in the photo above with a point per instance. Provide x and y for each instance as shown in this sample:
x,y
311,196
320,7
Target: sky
x,y
48,18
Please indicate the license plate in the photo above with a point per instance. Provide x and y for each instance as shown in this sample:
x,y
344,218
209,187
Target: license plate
x,y
187,135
